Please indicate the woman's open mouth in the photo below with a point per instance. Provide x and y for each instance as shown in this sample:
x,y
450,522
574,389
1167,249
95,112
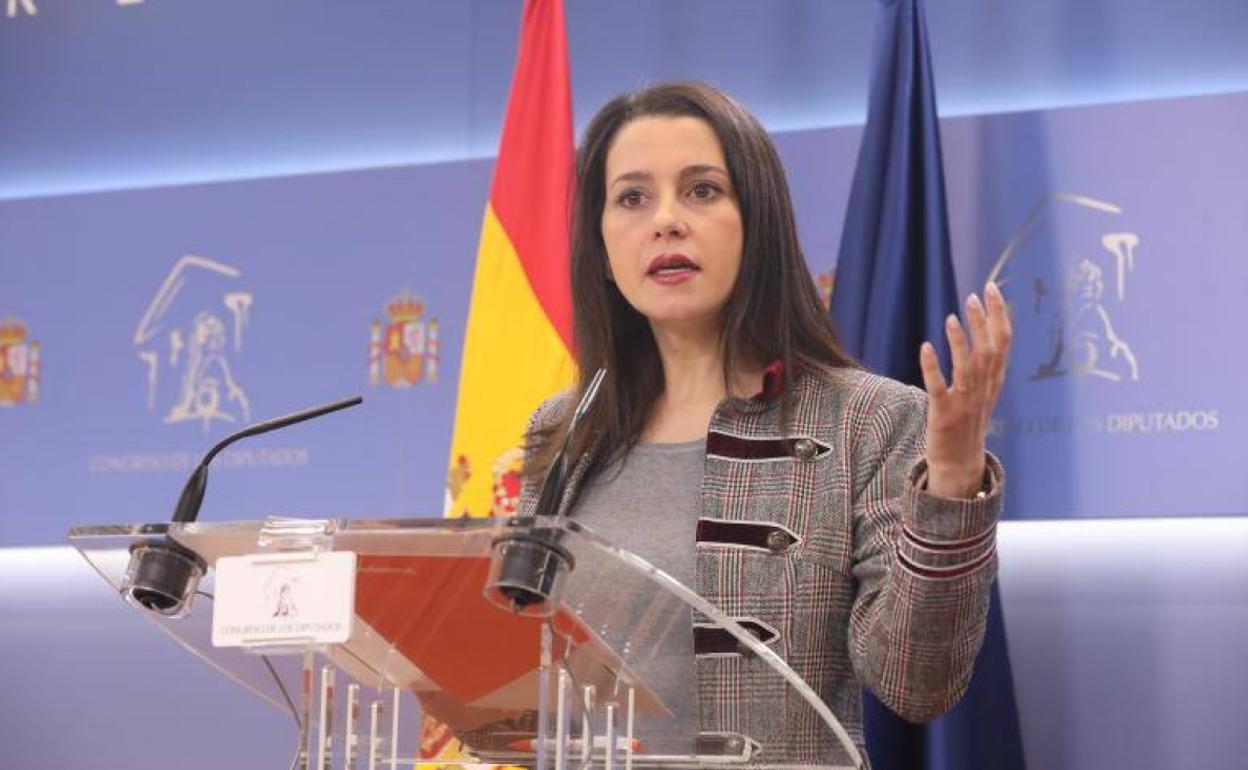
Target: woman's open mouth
x,y
672,268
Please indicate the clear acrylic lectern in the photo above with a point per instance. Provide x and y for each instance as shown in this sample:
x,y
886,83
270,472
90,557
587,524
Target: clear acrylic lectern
x,y
599,673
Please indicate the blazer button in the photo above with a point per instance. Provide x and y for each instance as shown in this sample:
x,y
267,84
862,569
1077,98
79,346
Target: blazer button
x,y
804,448
778,540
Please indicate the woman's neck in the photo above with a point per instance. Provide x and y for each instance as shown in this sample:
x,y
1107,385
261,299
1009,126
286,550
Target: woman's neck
x,y
693,384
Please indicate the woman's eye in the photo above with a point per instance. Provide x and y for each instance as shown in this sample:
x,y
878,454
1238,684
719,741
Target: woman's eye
x,y
630,199
705,191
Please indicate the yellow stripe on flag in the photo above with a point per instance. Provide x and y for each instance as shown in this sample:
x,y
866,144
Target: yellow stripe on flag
x,y
516,343
513,360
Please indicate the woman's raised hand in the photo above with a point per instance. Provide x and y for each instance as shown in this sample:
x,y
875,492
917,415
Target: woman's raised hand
x,y
959,412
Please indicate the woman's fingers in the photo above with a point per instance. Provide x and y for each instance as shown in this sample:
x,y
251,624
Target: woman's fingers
x,y
960,352
1002,333
933,379
961,407
984,346
979,351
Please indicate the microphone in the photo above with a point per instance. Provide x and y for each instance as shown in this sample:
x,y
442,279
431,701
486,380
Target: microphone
x,y
192,496
163,574
528,563
556,479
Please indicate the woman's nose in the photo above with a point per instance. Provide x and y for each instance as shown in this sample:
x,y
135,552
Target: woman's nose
x,y
667,221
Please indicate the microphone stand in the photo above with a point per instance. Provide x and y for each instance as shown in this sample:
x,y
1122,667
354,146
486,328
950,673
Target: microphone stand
x,y
163,574
528,563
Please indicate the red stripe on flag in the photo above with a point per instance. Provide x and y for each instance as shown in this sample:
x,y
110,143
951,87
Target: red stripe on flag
x,y
533,178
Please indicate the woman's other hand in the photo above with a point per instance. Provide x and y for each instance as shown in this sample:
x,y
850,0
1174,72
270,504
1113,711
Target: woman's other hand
x,y
959,413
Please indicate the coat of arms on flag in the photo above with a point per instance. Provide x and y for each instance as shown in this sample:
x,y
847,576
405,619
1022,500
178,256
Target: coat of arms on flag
x,y
404,350
824,282
19,364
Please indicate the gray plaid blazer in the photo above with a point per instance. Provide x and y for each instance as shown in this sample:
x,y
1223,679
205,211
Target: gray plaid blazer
x,y
821,540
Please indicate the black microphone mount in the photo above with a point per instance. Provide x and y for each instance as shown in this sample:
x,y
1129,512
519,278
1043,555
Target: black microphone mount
x,y
529,561
163,574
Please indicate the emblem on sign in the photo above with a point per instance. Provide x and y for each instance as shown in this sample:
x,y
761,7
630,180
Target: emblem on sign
x,y
187,338
280,594
297,599
403,351
1067,268
19,364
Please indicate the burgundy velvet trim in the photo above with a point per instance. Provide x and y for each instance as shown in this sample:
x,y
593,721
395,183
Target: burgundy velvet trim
x,y
752,533
709,640
965,569
773,382
746,448
737,448
960,545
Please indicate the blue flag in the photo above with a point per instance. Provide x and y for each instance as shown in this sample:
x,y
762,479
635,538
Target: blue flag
x,y
894,285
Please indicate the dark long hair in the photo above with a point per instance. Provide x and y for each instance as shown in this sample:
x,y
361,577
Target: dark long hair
x,y
773,312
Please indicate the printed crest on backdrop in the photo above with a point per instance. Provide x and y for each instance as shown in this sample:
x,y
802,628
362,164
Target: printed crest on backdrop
x,y
187,340
19,364
403,351
1066,272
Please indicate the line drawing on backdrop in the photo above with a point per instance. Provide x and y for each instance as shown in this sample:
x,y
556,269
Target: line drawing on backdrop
x,y
1065,270
192,342
28,6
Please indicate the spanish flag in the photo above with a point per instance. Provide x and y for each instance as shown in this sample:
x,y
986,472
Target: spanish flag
x,y
518,341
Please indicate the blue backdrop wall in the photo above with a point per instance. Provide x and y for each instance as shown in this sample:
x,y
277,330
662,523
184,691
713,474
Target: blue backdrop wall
x,y
206,210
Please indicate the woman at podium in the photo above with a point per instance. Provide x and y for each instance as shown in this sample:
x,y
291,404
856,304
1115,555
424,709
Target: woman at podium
x,y
848,519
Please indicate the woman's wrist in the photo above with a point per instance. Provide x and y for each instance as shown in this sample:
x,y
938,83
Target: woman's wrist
x,y
956,482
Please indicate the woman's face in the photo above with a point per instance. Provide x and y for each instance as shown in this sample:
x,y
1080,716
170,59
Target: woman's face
x,y
671,223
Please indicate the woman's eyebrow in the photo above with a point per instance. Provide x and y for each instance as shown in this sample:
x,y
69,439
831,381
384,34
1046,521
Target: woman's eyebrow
x,y
687,171
702,168
632,176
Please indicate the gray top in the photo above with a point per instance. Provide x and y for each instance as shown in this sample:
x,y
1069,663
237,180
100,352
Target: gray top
x,y
649,504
